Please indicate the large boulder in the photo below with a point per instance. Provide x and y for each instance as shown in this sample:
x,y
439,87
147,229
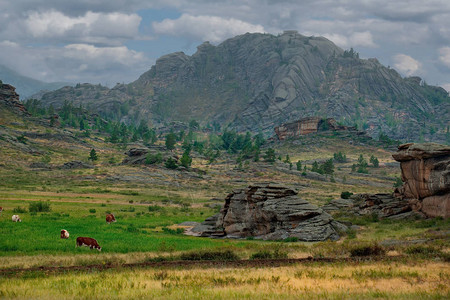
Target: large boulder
x,y
269,212
426,176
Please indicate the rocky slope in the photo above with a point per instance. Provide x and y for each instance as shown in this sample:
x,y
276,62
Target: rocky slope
x,y
259,81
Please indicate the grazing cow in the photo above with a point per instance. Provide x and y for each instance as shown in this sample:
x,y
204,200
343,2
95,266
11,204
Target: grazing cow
x,y
88,242
110,218
1,210
15,218
64,234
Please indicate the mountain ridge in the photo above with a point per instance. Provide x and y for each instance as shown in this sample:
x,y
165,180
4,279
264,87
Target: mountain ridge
x,y
254,82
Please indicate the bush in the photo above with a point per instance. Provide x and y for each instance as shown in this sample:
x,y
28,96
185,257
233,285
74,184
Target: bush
x,y
92,211
423,251
171,163
367,250
39,206
154,208
209,255
151,159
265,254
398,182
346,195
19,209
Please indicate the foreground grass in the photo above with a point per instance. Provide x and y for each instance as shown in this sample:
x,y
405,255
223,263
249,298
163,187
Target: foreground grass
x,y
370,280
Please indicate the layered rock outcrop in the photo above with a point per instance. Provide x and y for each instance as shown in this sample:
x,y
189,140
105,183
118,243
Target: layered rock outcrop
x,y
270,212
10,99
426,176
309,125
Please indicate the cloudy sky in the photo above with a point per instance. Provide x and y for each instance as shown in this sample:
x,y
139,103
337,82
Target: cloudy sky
x,y
105,42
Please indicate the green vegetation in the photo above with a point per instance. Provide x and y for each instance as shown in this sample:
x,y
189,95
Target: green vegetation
x,y
325,168
93,155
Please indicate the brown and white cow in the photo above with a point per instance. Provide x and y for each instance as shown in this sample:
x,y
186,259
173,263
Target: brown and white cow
x,y
110,218
64,234
16,218
88,242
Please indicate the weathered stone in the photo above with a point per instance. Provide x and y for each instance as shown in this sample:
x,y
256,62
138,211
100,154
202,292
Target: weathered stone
x,y
10,98
426,176
76,164
308,125
259,212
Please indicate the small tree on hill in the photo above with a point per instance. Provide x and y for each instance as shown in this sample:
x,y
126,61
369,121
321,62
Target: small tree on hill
x,y
171,163
270,155
374,161
171,139
299,166
186,160
93,155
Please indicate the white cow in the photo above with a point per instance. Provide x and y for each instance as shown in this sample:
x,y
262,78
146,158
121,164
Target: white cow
x,y
15,218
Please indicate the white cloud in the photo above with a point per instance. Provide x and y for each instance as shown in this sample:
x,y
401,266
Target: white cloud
x,y
445,56
91,27
406,64
76,63
446,86
206,28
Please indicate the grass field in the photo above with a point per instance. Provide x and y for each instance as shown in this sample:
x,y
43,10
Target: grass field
x,y
148,203
370,280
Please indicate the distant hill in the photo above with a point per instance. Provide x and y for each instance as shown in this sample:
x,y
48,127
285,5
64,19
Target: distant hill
x,y
26,86
254,82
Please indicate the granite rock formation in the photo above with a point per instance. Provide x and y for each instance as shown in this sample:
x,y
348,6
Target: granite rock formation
x,y
9,98
269,212
310,125
255,82
426,176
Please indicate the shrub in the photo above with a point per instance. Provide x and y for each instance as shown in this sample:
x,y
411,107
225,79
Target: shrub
x,y
154,208
367,250
39,206
151,159
210,255
19,209
346,195
398,182
266,254
92,211
423,251
171,163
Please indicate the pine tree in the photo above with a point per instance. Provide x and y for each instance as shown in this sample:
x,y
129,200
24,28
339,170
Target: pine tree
x,y
93,155
299,166
171,139
270,155
186,160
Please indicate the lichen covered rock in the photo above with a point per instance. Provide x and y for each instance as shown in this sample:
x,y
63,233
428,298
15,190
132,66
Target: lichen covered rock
x,y
270,212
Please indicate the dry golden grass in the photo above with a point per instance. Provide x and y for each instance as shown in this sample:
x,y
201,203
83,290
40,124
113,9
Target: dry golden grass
x,y
311,281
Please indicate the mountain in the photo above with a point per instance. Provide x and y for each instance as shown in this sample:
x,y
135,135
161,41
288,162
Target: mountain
x,y
26,86
254,82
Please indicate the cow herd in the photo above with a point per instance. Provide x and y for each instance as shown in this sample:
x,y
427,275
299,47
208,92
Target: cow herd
x,y
81,241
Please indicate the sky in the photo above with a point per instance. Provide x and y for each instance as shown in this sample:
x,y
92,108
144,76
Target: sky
x,y
115,41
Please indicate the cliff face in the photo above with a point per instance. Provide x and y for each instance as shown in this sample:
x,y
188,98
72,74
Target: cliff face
x,y
10,99
309,125
426,176
258,81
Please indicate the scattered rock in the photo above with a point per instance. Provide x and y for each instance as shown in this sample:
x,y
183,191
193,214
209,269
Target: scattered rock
x,y
269,212
76,164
